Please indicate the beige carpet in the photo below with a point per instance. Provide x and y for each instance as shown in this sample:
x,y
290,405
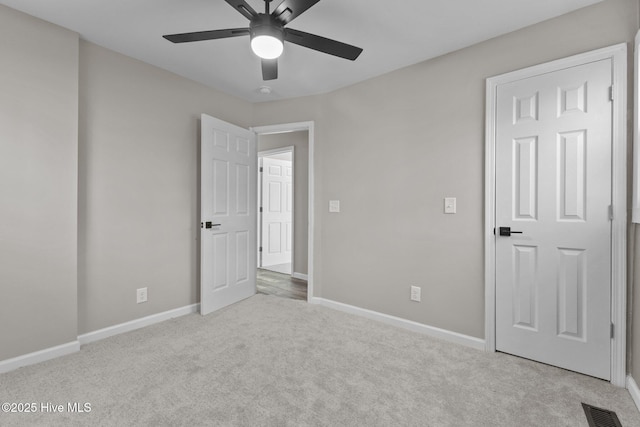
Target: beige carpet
x,y
269,361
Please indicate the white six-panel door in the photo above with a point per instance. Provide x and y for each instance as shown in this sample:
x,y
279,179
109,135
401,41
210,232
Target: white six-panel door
x,y
277,208
553,184
228,214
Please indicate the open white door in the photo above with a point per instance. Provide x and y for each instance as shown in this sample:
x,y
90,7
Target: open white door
x,y
228,214
277,211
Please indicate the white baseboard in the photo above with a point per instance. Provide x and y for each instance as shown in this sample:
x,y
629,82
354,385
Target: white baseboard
x,y
432,331
74,346
39,356
300,276
634,391
136,324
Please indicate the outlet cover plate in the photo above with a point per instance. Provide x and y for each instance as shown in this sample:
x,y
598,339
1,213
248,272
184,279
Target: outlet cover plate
x,y
141,295
415,293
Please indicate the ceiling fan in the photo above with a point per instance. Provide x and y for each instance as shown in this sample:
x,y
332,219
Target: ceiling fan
x,y
268,34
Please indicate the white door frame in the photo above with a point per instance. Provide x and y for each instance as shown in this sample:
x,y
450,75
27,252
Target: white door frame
x,y
309,127
269,153
618,56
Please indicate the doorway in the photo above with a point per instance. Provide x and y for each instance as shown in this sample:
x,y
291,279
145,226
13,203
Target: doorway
x,y
284,223
551,284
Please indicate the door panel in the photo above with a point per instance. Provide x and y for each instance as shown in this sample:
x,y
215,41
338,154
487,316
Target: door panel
x,y
277,214
228,214
243,190
221,186
572,287
525,287
526,169
553,184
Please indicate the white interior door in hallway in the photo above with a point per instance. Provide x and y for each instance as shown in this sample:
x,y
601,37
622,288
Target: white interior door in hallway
x,y
228,193
277,211
553,197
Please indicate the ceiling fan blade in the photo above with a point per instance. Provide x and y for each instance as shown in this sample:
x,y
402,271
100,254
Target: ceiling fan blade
x,y
269,69
243,7
207,35
289,9
322,44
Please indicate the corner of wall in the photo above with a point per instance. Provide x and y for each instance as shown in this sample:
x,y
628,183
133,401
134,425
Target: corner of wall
x,y
634,391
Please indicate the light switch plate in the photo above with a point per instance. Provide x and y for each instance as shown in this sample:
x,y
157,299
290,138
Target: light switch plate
x,y
334,206
450,205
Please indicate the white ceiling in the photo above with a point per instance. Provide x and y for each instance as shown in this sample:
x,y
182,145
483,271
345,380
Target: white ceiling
x,y
393,34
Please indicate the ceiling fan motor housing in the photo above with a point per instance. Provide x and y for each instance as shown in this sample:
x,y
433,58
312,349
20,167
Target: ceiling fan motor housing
x,y
266,25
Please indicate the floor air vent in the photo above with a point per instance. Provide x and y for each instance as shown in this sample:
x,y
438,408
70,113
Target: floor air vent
x,y
599,417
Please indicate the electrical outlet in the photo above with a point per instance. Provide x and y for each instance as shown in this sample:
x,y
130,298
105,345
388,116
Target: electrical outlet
x,y
415,293
141,295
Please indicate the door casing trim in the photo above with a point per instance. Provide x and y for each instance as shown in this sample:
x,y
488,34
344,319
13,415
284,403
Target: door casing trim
x,y
618,55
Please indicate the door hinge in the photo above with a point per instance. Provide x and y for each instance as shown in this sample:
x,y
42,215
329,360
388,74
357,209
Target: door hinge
x,y
611,93
610,212
261,168
260,209
260,249
612,330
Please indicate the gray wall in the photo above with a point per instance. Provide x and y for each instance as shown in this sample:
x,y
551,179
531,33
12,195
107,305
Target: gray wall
x,y
38,184
393,147
300,141
138,201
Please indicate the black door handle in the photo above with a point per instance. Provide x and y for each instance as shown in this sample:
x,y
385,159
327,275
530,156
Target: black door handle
x,y
208,224
506,231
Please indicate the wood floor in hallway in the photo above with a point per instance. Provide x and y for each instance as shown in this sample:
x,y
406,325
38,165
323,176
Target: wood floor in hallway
x,y
282,285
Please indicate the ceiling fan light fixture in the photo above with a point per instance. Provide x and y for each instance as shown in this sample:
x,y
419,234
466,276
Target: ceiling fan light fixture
x,y
266,46
267,37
